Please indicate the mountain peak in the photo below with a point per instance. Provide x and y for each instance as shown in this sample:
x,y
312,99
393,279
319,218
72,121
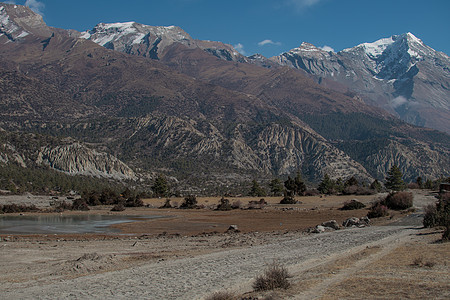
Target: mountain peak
x,y
17,22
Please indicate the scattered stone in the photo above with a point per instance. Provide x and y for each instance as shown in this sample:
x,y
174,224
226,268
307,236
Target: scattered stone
x,y
351,222
332,224
318,229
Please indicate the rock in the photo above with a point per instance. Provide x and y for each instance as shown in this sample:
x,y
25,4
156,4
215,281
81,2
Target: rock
x,y
365,220
332,224
233,228
351,222
318,229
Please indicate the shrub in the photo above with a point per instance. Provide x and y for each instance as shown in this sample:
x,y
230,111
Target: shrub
x,y
118,207
353,204
167,204
312,192
399,200
61,206
15,208
288,200
224,204
80,204
236,204
256,204
275,277
134,202
430,219
189,202
377,210
439,215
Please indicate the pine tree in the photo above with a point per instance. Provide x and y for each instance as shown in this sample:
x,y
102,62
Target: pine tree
x,y
256,190
394,180
376,185
160,186
300,186
276,187
327,185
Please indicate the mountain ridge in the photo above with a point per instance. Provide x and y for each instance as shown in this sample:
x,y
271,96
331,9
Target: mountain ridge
x,y
197,116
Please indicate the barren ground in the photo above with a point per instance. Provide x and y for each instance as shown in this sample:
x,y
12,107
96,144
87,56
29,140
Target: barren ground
x,y
188,256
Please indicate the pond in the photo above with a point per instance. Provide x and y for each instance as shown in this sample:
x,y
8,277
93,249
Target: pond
x,y
64,224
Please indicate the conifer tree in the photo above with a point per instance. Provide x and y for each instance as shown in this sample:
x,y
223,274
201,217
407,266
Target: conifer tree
x,y
327,185
394,179
160,188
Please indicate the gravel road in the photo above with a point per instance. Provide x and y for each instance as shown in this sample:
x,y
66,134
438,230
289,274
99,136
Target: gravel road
x,y
197,277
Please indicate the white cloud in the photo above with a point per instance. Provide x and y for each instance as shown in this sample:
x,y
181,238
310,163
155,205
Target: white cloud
x,y
268,42
239,48
399,101
302,4
35,6
327,48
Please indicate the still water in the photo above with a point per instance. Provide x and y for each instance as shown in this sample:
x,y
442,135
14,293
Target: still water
x,y
64,223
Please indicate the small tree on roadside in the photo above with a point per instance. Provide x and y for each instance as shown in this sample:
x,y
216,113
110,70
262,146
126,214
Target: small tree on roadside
x,y
394,179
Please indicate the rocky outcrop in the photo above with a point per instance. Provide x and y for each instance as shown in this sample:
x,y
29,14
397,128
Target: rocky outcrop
x,y
77,159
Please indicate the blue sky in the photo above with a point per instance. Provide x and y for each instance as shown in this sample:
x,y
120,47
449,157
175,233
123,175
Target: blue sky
x,y
268,27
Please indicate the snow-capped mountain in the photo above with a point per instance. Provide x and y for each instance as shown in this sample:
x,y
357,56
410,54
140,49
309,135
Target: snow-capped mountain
x,y
400,74
153,41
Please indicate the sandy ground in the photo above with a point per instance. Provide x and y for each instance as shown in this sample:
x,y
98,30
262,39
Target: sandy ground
x,y
192,262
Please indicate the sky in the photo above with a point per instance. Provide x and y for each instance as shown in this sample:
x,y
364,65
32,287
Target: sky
x,y
268,27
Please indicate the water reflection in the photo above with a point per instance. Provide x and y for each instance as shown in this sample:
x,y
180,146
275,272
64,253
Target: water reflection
x,y
64,223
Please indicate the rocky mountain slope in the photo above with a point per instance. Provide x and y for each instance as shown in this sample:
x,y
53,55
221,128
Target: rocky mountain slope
x,y
66,155
188,113
400,74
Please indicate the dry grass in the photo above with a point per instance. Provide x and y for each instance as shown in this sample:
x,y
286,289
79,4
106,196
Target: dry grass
x,y
275,277
416,270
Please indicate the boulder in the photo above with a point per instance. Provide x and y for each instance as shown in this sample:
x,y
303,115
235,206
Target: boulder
x,y
351,222
332,224
364,220
233,228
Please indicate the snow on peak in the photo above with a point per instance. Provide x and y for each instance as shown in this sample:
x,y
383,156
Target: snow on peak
x,y
374,49
9,27
412,38
133,32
